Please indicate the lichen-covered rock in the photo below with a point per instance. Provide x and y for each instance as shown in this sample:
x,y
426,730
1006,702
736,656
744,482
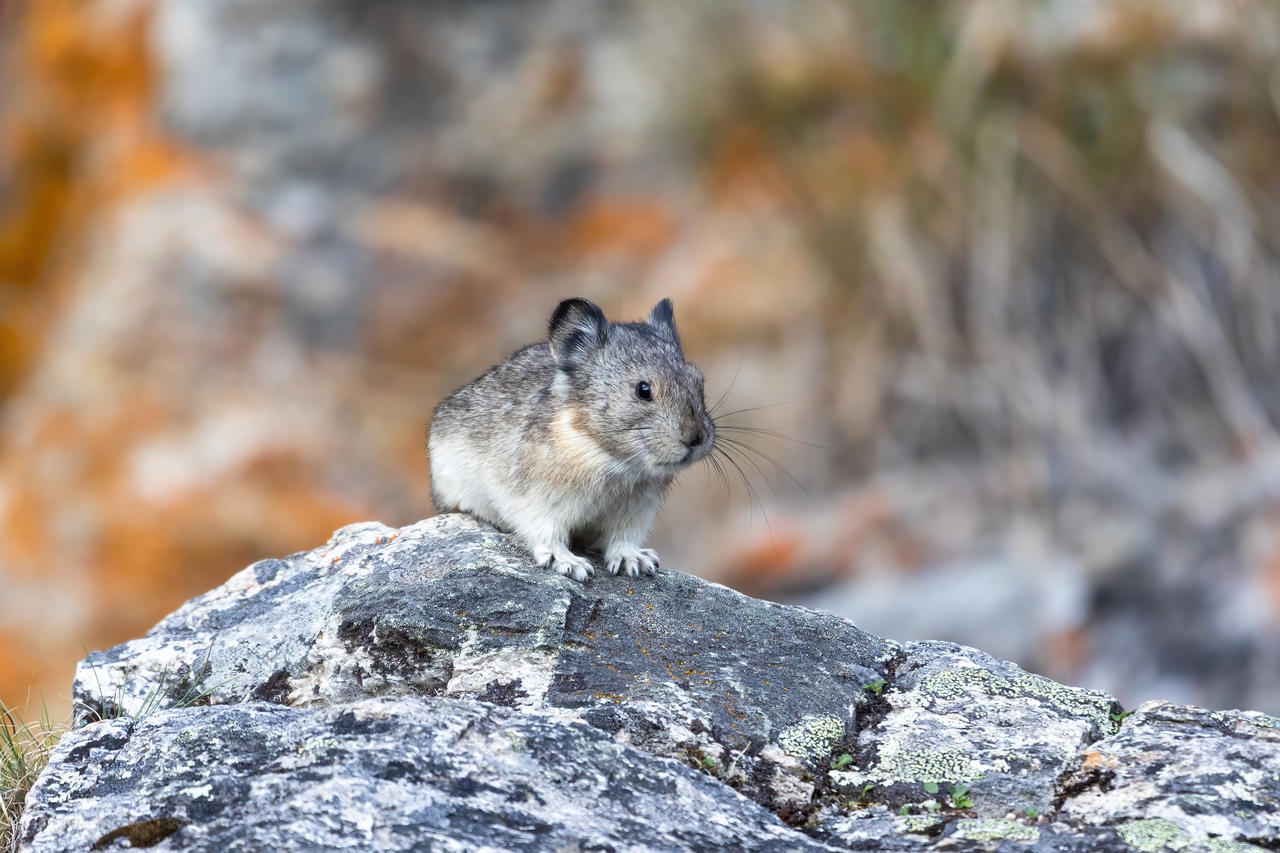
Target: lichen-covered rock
x,y
1178,777
381,774
430,688
955,716
450,607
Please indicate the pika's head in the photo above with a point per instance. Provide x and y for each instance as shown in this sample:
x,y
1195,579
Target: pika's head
x,y
628,386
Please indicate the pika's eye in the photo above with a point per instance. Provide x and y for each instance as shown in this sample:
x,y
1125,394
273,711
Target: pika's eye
x,y
643,391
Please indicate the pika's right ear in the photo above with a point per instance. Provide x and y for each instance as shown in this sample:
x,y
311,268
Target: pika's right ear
x,y
577,329
664,320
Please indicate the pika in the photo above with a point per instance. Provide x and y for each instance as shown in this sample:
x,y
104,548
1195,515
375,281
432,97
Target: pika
x,y
575,439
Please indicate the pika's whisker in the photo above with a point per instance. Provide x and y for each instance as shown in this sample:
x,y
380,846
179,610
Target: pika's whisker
x,y
743,446
711,412
719,469
765,432
737,448
752,494
753,409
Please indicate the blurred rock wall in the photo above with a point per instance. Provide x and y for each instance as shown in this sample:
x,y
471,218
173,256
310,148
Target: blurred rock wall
x,y
997,281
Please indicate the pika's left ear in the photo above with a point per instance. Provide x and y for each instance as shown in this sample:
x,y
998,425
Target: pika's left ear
x,y
663,319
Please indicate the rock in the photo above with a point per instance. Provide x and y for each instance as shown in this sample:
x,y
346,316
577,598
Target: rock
x,y
1019,732
429,687
449,607
385,774
1184,775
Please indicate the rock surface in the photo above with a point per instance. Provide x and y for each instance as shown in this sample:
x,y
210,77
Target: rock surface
x,y
386,774
428,688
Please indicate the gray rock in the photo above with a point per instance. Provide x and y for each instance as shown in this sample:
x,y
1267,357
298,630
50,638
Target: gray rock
x,y
1178,776
516,709
957,716
381,774
450,607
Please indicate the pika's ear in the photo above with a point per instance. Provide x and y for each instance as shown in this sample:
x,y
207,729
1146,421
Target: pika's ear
x,y
663,319
577,329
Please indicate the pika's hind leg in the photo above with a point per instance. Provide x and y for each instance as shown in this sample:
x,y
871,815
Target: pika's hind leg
x,y
623,529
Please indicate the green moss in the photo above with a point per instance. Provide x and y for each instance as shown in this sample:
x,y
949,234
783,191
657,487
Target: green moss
x,y
812,738
993,829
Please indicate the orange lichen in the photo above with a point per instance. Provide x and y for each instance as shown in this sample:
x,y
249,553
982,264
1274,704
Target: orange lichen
x,y
76,134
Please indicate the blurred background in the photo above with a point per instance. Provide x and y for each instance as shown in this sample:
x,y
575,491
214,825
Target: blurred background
x,y
1001,281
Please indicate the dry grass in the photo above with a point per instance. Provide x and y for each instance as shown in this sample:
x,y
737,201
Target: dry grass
x,y
1037,237
24,751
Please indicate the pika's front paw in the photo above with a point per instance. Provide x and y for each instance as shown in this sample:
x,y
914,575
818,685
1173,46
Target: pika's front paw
x,y
641,561
571,565
564,562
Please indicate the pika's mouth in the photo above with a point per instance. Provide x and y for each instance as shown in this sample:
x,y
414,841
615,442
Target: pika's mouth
x,y
694,454
691,455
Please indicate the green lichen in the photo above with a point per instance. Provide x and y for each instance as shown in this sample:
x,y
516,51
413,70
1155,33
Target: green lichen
x,y
995,829
960,682
918,824
1158,834
1257,718
1227,845
1150,836
928,765
812,738
317,746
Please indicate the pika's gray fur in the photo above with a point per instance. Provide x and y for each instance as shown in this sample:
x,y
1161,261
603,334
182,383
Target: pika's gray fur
x,y
575,439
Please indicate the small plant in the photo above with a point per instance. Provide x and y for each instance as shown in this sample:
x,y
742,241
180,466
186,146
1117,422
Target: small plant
x,y
842,762
1031,813
905,810
194,694
959,794
875,686
708,762
1118,717
863,799
24,752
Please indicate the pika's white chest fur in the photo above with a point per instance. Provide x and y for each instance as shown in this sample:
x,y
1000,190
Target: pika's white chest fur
x,y
568,482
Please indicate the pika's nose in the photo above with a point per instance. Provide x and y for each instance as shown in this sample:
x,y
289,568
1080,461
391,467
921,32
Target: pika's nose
x,y
697,439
